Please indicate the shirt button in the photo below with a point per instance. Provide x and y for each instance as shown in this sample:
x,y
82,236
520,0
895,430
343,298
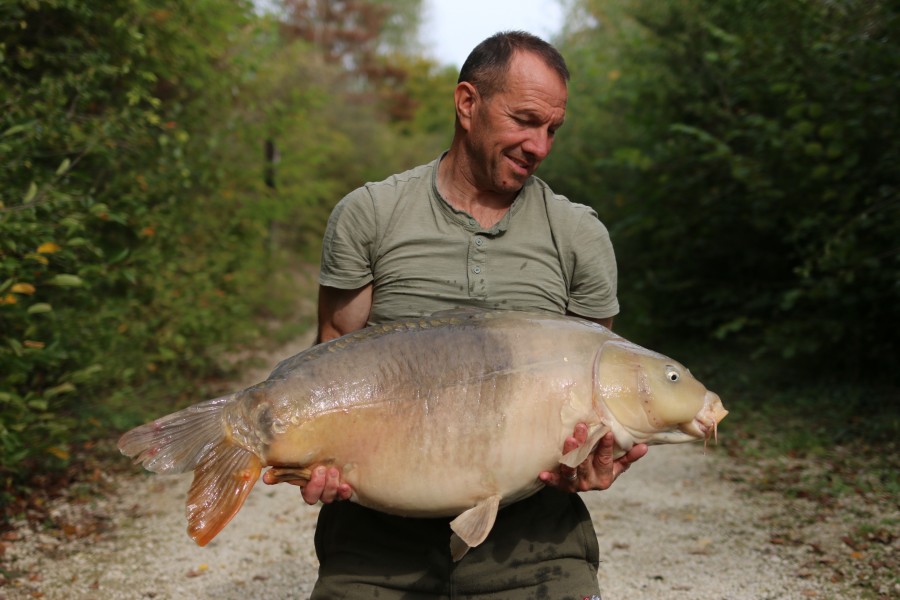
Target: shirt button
x,y
476,270
478,241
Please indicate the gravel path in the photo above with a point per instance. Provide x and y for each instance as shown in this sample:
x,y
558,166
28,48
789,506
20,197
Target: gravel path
x,y
672,528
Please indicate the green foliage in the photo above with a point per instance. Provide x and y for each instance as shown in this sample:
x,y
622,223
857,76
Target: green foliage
x,y
744,156
138,239
120,251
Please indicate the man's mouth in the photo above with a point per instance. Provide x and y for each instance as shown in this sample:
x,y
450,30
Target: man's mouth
x,y
523,166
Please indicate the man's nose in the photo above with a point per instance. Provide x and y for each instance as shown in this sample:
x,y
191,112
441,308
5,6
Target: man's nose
x,y
538,143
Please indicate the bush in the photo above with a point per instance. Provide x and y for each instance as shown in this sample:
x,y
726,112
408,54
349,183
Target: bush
x,y
125,257
141,232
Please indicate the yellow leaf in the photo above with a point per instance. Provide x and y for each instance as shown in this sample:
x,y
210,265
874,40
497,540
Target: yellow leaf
x,y
8,299
22,288
58,452
48,248
34,344
614,75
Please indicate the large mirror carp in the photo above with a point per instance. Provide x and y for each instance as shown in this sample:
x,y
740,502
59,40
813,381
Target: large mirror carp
x,y
453,415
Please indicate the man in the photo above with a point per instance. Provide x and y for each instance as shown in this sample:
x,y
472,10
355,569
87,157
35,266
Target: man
x,y
474,228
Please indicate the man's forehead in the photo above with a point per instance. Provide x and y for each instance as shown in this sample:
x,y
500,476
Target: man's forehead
x,y
533,75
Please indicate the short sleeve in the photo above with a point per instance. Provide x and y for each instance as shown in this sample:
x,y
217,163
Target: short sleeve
x,y
594,284
348,241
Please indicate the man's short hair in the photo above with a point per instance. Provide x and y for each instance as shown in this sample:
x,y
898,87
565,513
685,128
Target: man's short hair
x,y
487,65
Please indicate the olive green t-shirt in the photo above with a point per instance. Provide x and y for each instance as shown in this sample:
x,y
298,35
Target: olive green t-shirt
x,y
547,254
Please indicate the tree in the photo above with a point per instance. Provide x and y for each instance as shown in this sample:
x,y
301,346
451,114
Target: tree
x,y
748,152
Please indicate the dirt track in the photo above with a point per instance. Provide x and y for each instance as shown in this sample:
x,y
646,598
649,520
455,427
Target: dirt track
x,y
673,527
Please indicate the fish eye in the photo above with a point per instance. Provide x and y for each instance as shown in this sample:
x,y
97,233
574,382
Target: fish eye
x,y
672,374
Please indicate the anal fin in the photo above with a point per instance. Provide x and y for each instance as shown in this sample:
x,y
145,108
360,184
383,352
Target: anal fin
x,y
473,526
222,481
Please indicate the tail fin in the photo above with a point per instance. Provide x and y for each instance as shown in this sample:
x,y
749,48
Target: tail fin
x,y
195,439
177,442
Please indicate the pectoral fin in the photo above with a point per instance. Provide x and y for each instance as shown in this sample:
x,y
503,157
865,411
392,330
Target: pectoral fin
x,y
473,526
577,456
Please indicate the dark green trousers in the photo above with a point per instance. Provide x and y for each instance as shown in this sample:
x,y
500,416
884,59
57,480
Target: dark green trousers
x,y
542,547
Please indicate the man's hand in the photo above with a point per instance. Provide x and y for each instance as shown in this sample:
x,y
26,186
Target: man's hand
x,y
598,471
324,485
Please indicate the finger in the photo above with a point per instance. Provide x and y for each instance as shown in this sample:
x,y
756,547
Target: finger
x,y
581,433
312,493
625,461
603,455
332,480
638,451
344,492
569,473
549,478
561,482
570,444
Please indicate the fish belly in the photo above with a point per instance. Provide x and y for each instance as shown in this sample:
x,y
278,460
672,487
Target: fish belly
x,y
440,455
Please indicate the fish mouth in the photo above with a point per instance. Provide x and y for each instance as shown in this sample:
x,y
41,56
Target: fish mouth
x,y
706,422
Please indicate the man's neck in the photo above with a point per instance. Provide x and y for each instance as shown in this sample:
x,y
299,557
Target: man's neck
x,y
456,186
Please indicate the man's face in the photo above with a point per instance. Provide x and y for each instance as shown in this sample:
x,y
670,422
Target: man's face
x,y
512,131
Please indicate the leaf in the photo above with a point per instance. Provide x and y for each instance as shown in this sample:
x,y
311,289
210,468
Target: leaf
x,y
37,258
23,288
48,248
17,128
15,346
63,388
64,280
38,404
39,308
58,452
31,193
86,374
63,166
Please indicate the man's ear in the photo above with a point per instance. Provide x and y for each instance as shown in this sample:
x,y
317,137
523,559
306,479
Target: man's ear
x,y
465,97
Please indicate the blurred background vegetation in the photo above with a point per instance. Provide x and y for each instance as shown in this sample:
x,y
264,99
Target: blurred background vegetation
x,y
165,164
